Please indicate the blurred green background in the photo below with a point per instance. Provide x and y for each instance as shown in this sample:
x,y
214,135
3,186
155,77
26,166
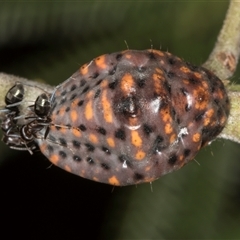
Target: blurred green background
x,y
49,41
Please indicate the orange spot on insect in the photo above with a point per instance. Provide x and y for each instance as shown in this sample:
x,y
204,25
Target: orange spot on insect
x,y
185,81
107,109
149,179
67,168
197,75
75,102
73,115
62,111
127,84
196,137
104,83
168,128
140,155
63,130
95,179
54,159
136,139
89,110
76,132
113,181
89,94
173,138
84,69
157,83
166,117
208,116
101,62
148,168
111,142
185,69
133,121
53,117
156,52
93,138
43,147
158,70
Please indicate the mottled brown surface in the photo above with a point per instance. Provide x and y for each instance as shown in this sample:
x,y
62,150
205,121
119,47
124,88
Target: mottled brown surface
x,y
133,116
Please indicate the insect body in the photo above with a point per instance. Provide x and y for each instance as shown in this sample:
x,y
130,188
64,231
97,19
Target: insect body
x,y
9,126
133,116
21,136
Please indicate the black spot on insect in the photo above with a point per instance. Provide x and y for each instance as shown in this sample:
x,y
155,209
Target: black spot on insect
x,y
89,147
158,144
76,144
82,82
98,82
186,152
63,142
120,134
184,91
113,84
68,125
147,129
151,56
172,61
82,128
138,176
80,103
141,69
106,150
112,71
220,113
95,75
193,80
125,160
90,160
119,56
62,154
97,93
101,130
173,113
58,128
63,100
199,117
216,101
85,89
129,106
67,109
51,138
170,74
187,107
50,148
76,158
73,96
105,166
63,93
172,160
141,82
192,67
73,87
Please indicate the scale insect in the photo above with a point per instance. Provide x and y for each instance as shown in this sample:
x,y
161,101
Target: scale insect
x,y
130,117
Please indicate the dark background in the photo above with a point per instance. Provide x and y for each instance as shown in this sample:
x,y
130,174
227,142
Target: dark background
x,y
49,41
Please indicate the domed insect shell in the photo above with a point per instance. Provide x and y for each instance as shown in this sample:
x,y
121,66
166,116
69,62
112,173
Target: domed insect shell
x,y
130,117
